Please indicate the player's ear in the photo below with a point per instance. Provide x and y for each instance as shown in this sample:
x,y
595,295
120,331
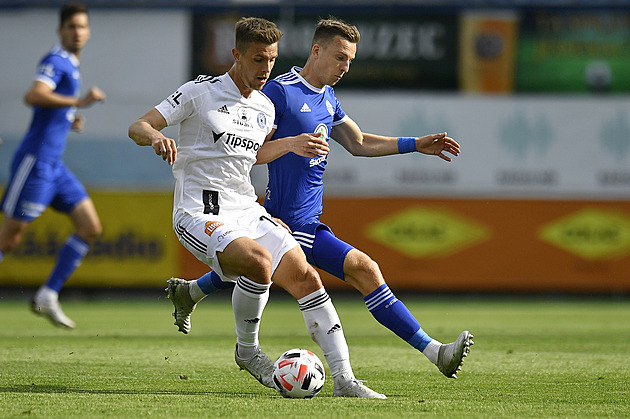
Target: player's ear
x,y
236,54
315,50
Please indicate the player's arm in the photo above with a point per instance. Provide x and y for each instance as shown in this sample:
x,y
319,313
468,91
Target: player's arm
x,y
146,131
43,96
305,145
358,143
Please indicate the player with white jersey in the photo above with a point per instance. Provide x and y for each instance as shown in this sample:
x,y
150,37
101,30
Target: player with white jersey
x,y
39,178
223,121
305,102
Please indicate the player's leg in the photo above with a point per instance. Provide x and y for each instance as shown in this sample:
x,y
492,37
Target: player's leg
x,y
360,271
21,191
228,250
252,264
11,233
70,256
87,229
301,280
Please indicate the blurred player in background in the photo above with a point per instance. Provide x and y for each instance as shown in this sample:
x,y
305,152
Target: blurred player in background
x,y
305,102
39,178
222,123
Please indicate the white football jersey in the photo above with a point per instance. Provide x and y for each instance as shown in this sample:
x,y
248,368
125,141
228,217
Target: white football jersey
x,y
220,133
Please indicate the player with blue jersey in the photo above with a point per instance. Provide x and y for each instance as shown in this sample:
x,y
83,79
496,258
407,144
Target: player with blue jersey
x,y
305,103
39,178
222,122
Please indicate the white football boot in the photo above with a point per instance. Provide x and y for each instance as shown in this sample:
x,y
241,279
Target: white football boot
x,y
355,388
46,303
179,293
451,355
260,366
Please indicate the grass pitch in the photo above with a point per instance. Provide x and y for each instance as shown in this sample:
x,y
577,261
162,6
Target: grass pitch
x,y
531,358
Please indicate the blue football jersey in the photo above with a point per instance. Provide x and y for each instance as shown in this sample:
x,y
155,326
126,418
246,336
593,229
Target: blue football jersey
x,y
295,189
47,134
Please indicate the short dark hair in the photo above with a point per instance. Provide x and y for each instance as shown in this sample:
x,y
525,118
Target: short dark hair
x,y
327,29
70,9
255,29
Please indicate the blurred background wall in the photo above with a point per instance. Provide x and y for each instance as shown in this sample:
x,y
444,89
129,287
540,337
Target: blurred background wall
x,y
536,93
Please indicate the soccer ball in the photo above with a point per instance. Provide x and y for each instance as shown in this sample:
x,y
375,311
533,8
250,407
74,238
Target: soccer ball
x,y
298,374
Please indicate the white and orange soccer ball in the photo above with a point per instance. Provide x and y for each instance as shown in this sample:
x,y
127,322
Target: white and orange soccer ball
x,y
299,374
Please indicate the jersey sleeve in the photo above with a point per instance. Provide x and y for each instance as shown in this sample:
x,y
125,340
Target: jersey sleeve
x,y
276,93
178,106
339,116
51,70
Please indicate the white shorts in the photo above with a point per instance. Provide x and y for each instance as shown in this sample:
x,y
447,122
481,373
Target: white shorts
x,y
204,235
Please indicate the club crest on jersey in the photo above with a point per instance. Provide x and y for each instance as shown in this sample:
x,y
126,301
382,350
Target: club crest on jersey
x,y
262,120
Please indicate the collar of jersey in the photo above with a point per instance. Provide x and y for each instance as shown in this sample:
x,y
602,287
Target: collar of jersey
x,y
58,49
296,70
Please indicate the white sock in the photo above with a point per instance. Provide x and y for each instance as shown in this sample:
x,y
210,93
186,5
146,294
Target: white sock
x,y
324,326
195,292
248,302
46,293
431,351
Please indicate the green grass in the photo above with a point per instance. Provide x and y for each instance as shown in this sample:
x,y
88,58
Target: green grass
x,y
531,358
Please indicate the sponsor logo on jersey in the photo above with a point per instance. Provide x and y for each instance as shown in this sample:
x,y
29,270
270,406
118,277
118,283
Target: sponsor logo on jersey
x,y
224,235
211,226
316,161
243,118
246,143
217,135
174,98
223,109
305,108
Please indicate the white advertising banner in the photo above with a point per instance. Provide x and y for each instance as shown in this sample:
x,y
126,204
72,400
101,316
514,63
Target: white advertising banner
x,y
572,147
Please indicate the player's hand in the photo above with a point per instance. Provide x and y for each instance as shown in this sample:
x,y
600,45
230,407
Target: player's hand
x,y
78,123
279,221
165,147
438,144
95,94
309,145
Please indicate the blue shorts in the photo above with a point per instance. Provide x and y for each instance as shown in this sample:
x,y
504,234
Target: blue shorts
x,y
322,248
36,184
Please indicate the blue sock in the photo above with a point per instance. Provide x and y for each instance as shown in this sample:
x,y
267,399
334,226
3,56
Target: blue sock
x,y
211,282
70,257
394,315
1,255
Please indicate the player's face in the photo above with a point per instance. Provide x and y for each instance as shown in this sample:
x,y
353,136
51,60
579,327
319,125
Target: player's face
x,y
75,32
254,65
335,60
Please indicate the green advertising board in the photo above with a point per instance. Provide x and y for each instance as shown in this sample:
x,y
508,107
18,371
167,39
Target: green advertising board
x,y
574,51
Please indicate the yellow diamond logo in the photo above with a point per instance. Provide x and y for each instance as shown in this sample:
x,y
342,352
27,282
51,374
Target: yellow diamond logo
x,y
591,234
424,232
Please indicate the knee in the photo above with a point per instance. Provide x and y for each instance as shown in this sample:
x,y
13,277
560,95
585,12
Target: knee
x,y
8,243
306,281
258,265
89,233
10,238
363,273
